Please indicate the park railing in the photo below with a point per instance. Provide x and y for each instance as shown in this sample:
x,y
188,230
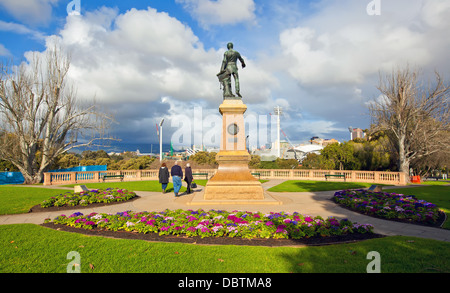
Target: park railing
x,y
376,177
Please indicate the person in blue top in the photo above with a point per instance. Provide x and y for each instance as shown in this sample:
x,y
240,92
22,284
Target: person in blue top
x,y
177,174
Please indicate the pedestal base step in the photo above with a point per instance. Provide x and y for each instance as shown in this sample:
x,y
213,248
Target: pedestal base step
x,y
199,200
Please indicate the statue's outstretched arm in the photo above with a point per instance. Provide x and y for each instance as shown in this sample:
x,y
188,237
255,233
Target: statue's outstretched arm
x,y
242,61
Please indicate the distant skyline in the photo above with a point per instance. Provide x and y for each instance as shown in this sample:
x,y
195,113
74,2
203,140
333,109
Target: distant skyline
x,y
148,60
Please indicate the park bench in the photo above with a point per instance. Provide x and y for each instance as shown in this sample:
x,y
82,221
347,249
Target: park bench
x,y
201,174
334,176
107,177
257,174
432,178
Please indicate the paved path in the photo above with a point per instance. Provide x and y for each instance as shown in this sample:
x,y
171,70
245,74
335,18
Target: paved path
x,y
306,203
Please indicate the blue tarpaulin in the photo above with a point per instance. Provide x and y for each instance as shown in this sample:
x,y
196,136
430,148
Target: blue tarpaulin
x,y
17,177
83,169
11,178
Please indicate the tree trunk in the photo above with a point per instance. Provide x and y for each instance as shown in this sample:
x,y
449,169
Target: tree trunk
x,y
403,161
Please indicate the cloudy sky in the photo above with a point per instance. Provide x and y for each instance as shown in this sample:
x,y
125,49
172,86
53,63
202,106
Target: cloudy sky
x,y
147,60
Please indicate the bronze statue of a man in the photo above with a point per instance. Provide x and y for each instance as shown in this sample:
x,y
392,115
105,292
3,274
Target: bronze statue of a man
x,y
229,67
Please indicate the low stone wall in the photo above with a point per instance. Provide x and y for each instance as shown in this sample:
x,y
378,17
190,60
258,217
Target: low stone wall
x,y
394,178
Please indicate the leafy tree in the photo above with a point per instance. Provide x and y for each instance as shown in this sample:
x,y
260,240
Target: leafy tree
x,y
255,162
67,161
339,157
204,158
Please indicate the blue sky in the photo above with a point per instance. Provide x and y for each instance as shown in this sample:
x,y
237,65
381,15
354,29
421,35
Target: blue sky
x,y
148,60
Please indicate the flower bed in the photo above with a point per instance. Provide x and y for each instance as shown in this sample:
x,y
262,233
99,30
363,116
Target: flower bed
x,y
217,224
84,198
389,206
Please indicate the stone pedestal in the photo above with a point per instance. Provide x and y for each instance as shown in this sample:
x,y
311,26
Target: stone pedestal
x,y
233,180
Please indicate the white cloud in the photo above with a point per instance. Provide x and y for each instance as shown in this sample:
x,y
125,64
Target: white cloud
x,y
143,55
341,44
220,12
321,128
130,61
20,29
35,12
4,51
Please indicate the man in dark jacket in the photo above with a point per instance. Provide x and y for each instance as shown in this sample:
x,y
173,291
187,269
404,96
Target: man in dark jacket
x,y
188,177
177,174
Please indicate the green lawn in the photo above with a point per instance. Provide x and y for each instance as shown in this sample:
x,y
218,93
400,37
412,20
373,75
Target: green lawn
x,y
35,249
152,186
32,248
18,199
311,186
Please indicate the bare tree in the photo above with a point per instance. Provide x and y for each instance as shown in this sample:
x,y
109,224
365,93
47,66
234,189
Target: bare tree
x,y
413,115
41,117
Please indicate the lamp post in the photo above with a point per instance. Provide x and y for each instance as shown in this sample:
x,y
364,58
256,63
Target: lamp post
x,y
160,140
278,111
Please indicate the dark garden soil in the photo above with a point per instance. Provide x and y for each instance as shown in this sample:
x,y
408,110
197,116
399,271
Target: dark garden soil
x,y
39,209
313,241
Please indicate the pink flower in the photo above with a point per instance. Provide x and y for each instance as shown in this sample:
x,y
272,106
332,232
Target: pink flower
x,y
280,229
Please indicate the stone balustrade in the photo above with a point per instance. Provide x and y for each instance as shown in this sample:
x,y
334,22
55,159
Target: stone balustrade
x,y
375,177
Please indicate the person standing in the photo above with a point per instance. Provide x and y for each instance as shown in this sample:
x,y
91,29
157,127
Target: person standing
x,y
164,177
177,174
188,177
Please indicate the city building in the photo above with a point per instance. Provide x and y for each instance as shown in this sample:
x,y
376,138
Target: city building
x,y
321,141
356,133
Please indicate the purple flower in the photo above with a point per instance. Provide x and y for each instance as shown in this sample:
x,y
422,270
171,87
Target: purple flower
x,y
269,223
77,214
280,229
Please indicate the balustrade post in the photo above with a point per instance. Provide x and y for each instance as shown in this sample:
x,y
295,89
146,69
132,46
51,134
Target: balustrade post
x,y
376,177
139,175
353,175
47,178
96,176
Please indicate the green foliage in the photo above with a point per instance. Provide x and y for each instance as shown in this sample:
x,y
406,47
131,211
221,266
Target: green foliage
x,y
204,158
359,154
128,161
217,224
85,198
67,161
256,163
6,165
